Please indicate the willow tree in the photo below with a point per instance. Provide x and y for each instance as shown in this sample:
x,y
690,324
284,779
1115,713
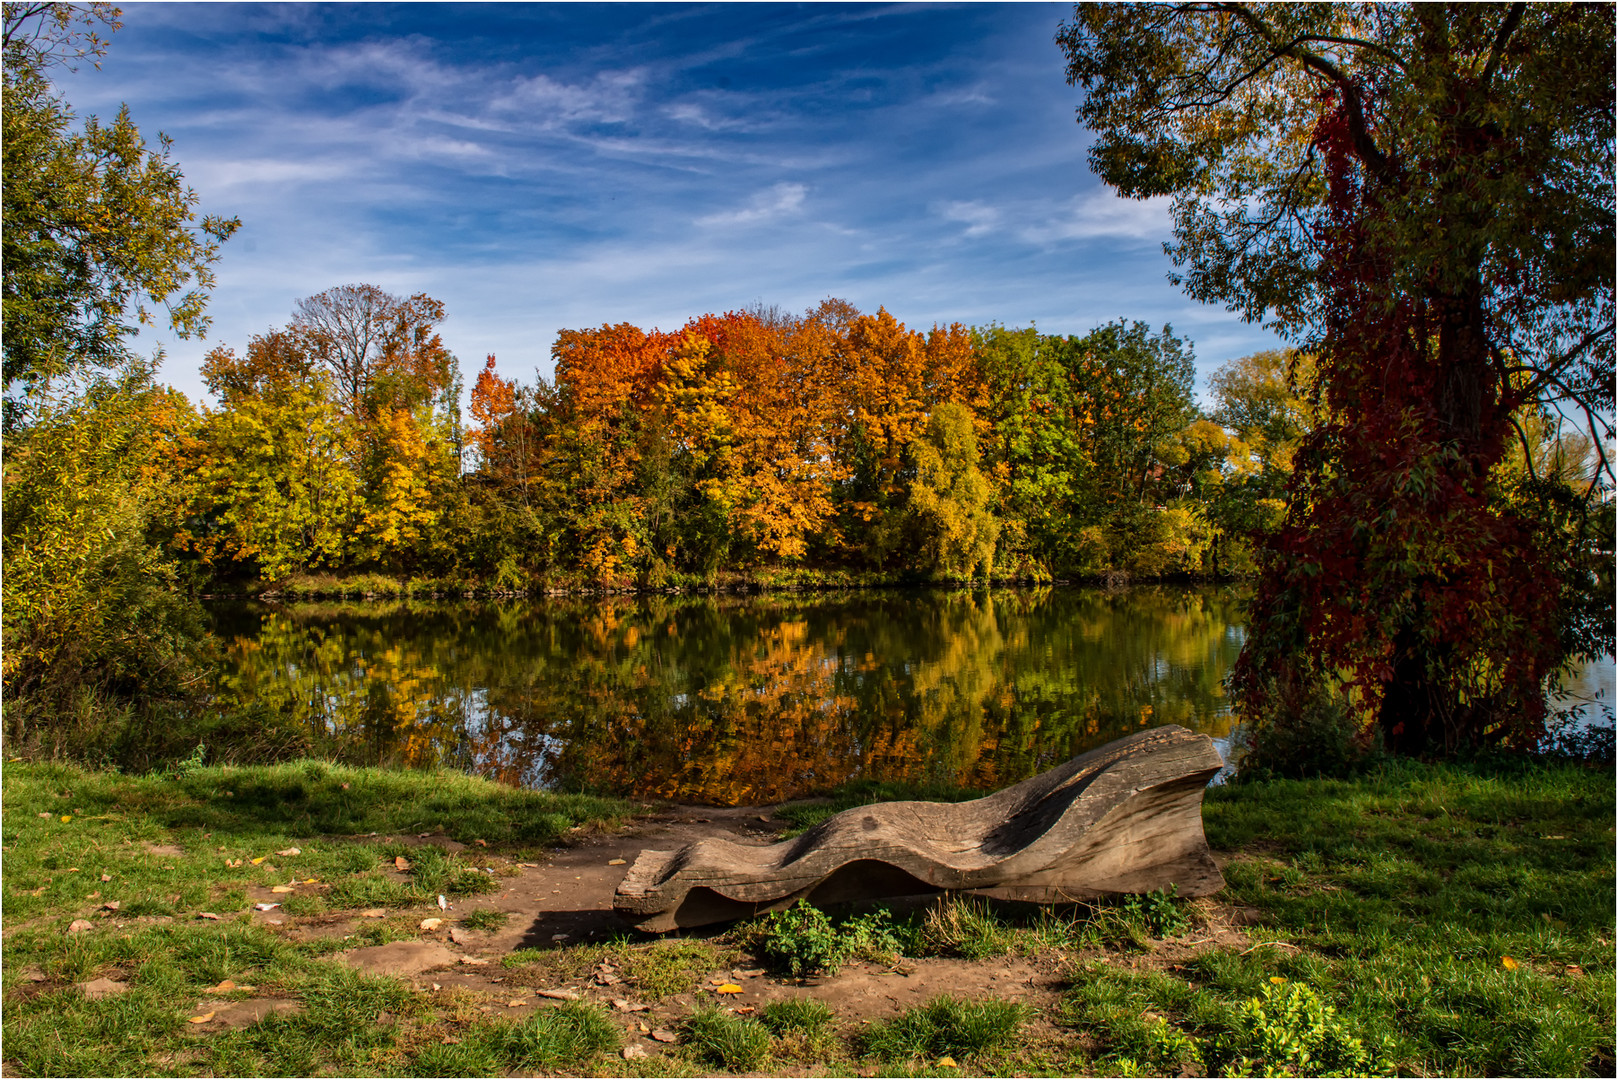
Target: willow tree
x,y
1422,197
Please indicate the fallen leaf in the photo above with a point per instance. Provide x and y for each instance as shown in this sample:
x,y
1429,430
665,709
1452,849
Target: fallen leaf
x,y
260,859
374,913
203,1019
1508,963
664,1035
282,888
266,907
224,987
559,937
246,988
634,1051
449,1040
477,960
431,924
459,936
443,905
79,926
45,814
1277,979
744,1009
72,870
616,862
111,905
750,973
946,1063
106,877
290,852
728,988
481,843
1575,970
559,995
208,915
515,1004
232,863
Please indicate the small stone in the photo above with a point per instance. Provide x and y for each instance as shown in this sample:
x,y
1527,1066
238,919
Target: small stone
x,y
96,989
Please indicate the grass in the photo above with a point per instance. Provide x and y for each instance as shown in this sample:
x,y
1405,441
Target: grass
x,y
945,1027
1421,919
1451,919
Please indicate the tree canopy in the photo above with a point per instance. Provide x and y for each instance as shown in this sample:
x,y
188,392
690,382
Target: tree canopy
x,y
1422,195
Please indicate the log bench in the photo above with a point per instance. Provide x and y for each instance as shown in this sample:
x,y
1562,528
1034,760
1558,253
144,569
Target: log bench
x,y
1125,818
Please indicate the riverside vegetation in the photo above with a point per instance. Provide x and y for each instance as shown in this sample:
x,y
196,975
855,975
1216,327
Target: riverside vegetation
x,y
1417,919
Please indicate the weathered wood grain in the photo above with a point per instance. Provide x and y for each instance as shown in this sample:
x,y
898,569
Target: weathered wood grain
x,y
1126,818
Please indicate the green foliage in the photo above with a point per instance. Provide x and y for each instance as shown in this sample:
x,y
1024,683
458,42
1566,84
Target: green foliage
x,y
730,1042
98,230
945,1025
950,496
1290,1031
485,919
804,942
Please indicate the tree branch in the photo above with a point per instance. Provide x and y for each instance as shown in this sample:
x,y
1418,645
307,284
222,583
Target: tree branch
x,y
1508,26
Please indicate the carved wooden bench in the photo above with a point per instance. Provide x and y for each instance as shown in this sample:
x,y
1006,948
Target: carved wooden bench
x,y
1126,818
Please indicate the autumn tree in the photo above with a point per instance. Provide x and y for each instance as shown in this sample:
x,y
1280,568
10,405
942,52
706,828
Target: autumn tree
x,y
381,350
950,498
1420,195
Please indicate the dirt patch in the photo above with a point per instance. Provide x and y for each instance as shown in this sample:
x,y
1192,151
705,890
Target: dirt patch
x,y
399,958
239,1014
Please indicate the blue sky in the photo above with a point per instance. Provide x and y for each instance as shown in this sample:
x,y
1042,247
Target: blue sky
x,y
538,167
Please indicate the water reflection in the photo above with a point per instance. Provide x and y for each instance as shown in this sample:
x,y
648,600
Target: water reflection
x,y
737,700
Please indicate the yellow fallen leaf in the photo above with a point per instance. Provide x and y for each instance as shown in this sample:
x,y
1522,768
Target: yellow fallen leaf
x,y
281,888
260,859
1508,963
67,817
289,851
1277,980
203,1019
727,988
515,1004
401,863
946,1063
223,988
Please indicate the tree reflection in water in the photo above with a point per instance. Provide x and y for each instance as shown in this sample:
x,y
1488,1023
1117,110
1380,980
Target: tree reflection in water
x,y
740,700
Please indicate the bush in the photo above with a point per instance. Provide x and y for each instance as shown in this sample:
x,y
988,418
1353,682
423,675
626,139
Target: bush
x,y
1290,1031
804,942
1310,732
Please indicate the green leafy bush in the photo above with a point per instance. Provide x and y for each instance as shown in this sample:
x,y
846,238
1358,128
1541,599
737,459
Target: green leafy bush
x,y
804,942
1291,1031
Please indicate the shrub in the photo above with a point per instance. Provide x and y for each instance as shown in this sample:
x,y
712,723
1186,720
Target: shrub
x,y
1291,1031
803,941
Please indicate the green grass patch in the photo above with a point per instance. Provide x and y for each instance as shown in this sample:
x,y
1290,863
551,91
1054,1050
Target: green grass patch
x,y
945,1027
715,1037
654,970
485,919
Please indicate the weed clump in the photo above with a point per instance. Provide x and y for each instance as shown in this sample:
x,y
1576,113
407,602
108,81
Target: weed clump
x,y
730,1042
946,1025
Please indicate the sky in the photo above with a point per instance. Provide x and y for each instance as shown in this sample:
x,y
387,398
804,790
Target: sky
x,y
546,166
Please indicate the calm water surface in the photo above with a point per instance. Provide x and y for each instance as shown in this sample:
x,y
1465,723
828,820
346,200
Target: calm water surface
x,y
741,700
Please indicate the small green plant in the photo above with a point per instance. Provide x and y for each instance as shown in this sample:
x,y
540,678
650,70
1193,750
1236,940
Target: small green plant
x,y
804,941
1291,1031
946,1025
485,919
731,1042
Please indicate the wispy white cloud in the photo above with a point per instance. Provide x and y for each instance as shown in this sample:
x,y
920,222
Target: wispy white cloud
x,y
1103,214
779,201
978,218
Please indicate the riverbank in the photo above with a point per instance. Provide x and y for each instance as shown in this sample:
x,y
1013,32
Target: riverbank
x,y
1422,919
373,586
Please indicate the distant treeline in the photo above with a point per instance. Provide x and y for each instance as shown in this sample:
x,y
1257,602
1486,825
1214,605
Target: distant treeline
x,y
742,443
